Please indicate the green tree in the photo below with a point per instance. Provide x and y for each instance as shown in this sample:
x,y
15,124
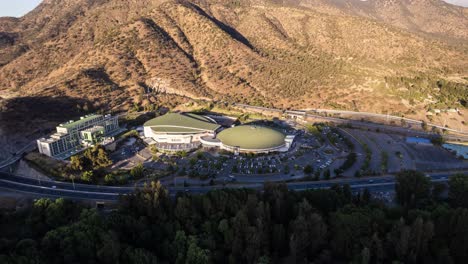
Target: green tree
x,y
458,190
411,242
263,260
76,163
97,157
87,176
458,234
308,170
439,141
195,254
424,125
348,230
110,179
307,225
366,196
179,247
411,188
29,249
438,189
138,256
279,240
137,171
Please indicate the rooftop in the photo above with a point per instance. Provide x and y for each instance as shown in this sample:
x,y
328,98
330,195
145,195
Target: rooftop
x,y
82,119
252,137
94,129
181,123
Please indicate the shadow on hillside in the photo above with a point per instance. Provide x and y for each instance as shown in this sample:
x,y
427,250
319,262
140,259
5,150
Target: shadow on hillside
x,y
228,29
166,37
30,115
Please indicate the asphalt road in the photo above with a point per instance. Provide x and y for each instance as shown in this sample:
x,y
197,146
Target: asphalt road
x,y
109,193
460,136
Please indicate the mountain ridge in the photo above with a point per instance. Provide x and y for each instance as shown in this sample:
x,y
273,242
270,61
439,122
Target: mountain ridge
x,y
288,54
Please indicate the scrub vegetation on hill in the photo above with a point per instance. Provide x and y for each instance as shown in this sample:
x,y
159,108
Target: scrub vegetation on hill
x,y
75,57
315,53
244,226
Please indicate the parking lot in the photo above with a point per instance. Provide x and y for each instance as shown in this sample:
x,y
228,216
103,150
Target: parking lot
x,y
322,154
204,164
401,155
126,154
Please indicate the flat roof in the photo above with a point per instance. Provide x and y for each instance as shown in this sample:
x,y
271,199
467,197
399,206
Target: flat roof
x,y
252,137
81,120
94,129
181,123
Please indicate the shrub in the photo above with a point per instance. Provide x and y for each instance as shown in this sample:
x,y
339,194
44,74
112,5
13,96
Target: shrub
x,y
87,176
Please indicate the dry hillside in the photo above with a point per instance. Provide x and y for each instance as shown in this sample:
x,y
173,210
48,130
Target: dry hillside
x,y
394,56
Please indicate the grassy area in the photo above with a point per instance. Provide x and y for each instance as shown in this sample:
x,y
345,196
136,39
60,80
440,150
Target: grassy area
x,y
366,165
449,94
316,130
332,138
384,162
350,160
129,134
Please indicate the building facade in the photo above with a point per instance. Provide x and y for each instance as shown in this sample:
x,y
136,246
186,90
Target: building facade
x,y
179,131
72,136
250,139
185,132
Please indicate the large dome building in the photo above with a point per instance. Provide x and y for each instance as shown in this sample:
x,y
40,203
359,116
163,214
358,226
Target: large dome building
x,y
185,132
179,132
250,139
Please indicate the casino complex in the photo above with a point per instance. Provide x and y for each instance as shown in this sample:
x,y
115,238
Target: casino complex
x,y
175,132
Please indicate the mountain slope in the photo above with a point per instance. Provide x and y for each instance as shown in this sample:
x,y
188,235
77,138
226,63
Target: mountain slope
x,y
432,17
376,55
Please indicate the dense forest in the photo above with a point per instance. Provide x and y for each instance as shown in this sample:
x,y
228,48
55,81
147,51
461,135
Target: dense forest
x,y
427,224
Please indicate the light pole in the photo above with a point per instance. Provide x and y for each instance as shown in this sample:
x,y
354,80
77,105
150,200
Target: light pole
x,y
72,177
38,179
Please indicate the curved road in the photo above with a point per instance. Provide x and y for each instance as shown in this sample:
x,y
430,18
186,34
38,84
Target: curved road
x,y
109,193
460,136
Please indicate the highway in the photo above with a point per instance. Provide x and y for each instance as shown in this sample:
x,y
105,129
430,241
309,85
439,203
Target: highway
x,y
109,193
383,116
388,128
316,113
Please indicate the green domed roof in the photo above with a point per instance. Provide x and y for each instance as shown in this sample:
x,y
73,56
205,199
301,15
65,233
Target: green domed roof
x,y
252,137
181,123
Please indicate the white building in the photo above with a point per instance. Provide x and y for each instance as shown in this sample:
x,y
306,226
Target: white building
x,y
177,132
184,132
250,139
71,135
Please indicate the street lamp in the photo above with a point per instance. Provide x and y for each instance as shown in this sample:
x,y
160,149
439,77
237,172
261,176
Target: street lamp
x,y
72,177
38,179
